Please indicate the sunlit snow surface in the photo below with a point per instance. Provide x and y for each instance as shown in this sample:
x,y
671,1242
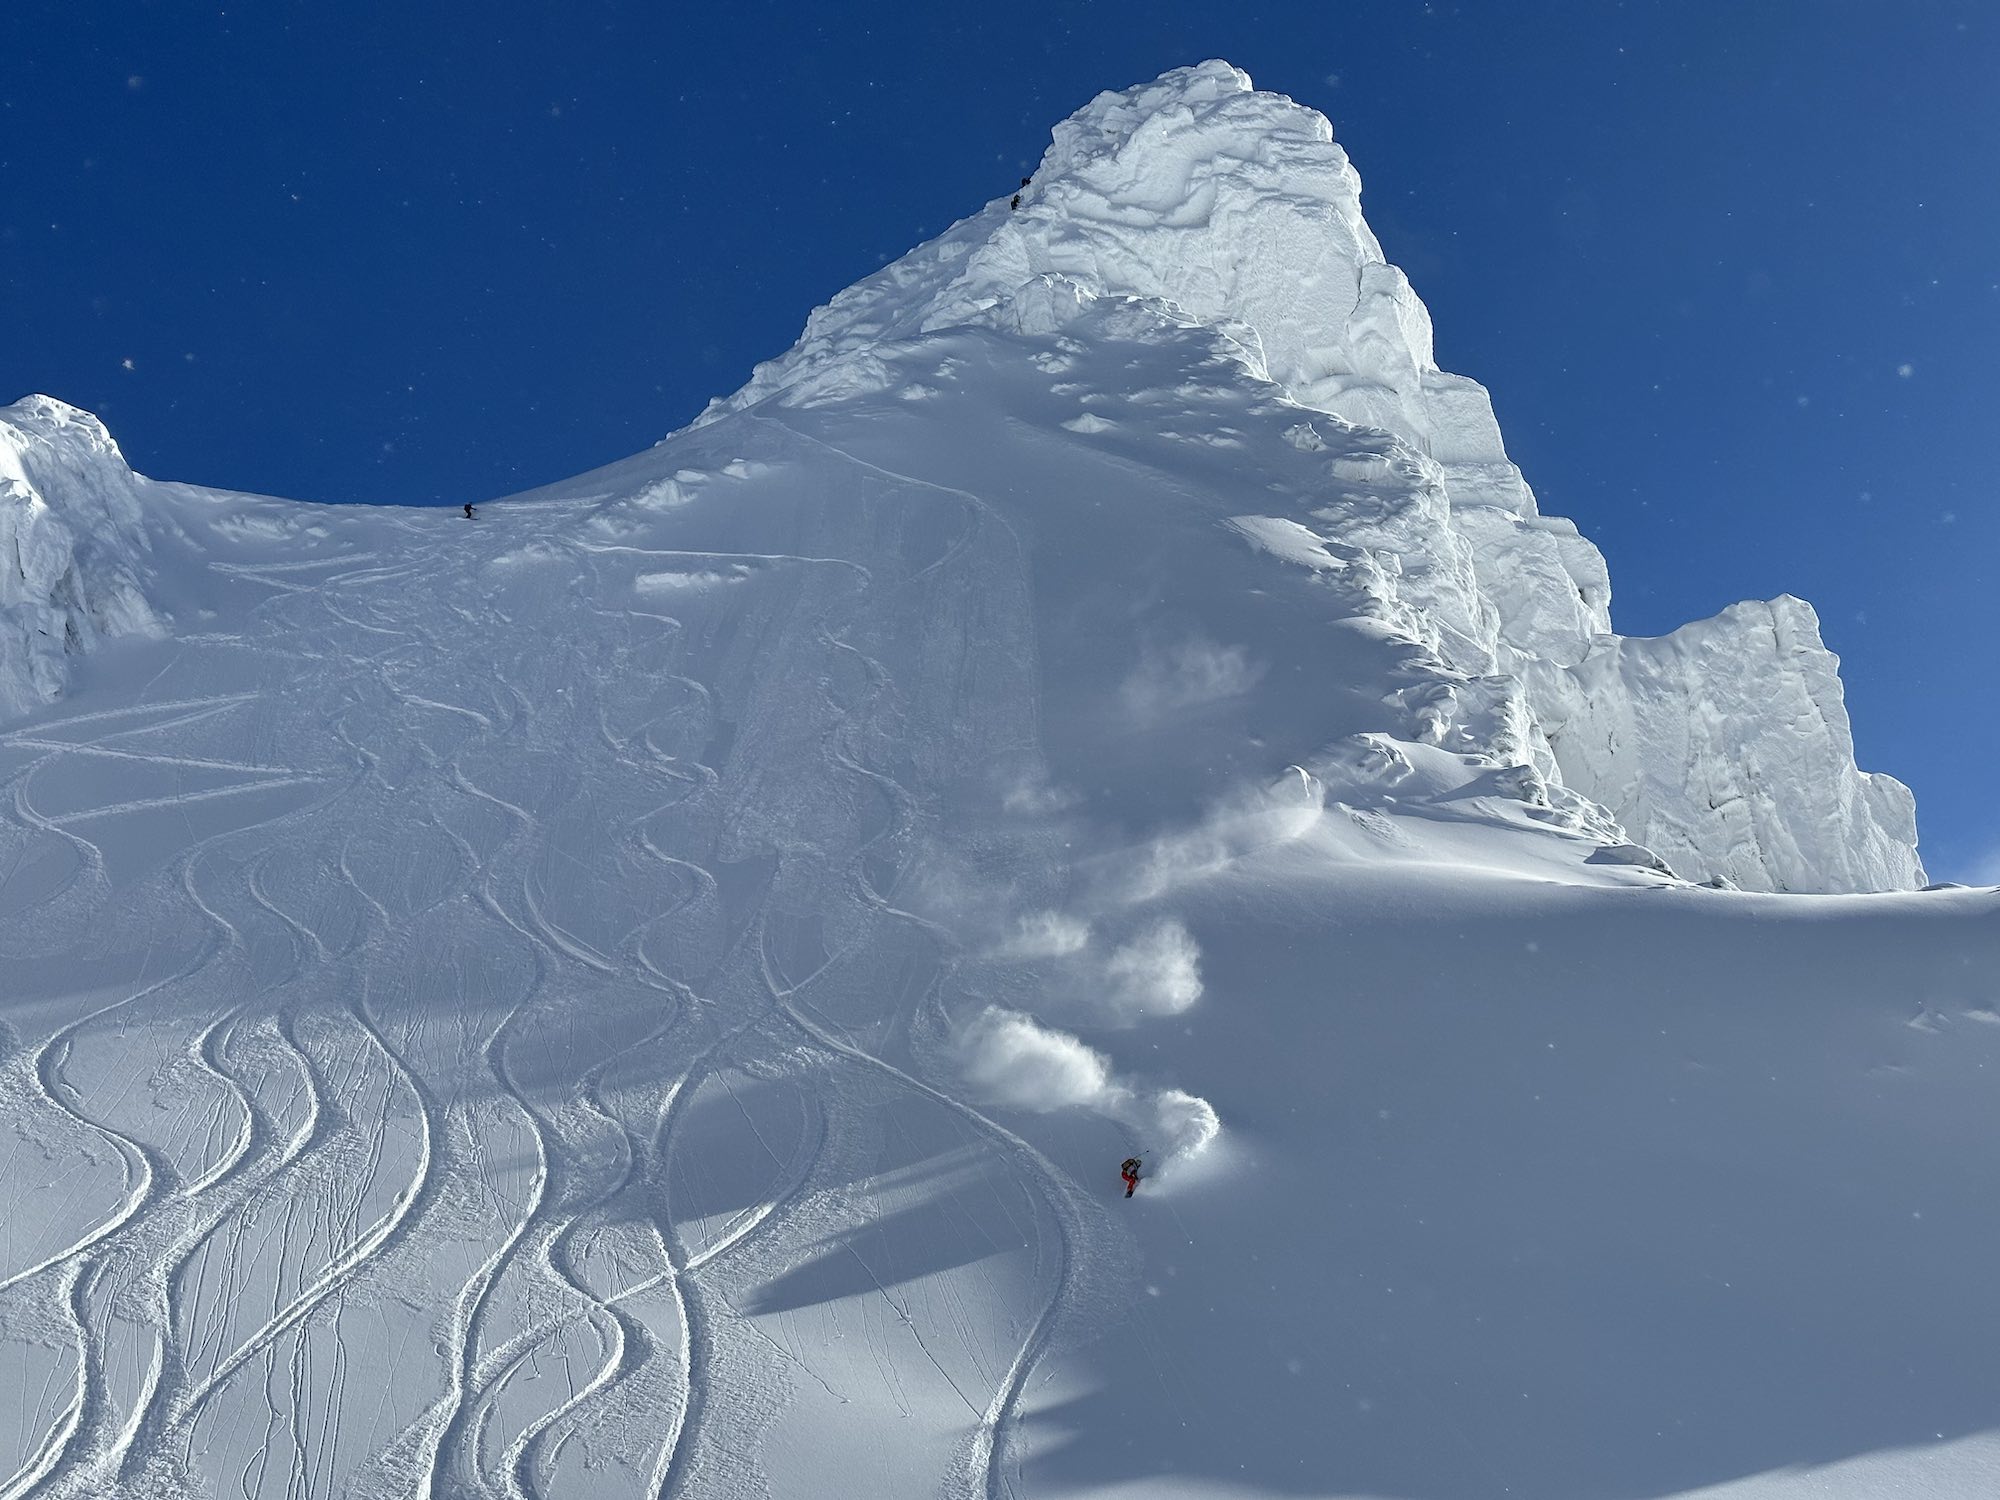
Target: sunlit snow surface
x,y
645,992
508,1007
1198,201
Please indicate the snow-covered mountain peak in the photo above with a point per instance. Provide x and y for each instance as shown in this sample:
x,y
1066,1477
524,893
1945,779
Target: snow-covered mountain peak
x,y
44,422
1197,201
1234,205
1187,288
1196,189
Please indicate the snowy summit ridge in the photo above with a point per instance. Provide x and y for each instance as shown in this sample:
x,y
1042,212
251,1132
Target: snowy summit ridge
x,y
1234,205
1199,199
1197,208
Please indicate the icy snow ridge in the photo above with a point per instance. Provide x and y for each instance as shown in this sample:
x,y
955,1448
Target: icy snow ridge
x,y
72,548
1196,199
1703,741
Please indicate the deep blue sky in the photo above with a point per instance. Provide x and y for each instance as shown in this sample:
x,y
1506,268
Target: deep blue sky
x,y
1732,271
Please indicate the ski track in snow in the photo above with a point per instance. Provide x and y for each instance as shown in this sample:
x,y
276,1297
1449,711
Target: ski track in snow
x,y
429,1057
987,1458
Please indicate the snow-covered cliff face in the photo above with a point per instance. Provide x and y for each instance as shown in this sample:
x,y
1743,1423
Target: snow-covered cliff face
x,y
1196,198
1708,742
73,545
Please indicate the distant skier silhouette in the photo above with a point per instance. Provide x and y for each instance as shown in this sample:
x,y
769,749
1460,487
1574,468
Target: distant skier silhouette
x,y
468,510
1129,1170
1017,197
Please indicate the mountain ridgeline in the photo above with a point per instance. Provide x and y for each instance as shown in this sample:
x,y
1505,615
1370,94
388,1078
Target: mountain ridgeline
x,y
1197,209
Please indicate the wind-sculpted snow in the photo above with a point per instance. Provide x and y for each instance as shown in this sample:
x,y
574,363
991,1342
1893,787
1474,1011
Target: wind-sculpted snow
x,y
1198,201
1745,713
72,548
1235,206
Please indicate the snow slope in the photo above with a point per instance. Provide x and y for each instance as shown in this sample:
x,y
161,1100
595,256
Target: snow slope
x,y
645,993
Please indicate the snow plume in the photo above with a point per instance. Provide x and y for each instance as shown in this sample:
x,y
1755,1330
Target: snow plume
x,y
1189,675
1033,796
1013,1060
1180,1124
1157,973
1044,934
1238,826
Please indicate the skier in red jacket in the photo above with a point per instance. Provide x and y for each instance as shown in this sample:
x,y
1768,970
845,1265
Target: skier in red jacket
x,y
1129,1170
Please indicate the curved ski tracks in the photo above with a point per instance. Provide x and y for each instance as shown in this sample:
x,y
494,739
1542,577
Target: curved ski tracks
x,y
278,1116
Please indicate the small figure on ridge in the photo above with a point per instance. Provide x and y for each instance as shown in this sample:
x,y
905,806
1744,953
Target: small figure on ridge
x,y
468,510
1017,197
